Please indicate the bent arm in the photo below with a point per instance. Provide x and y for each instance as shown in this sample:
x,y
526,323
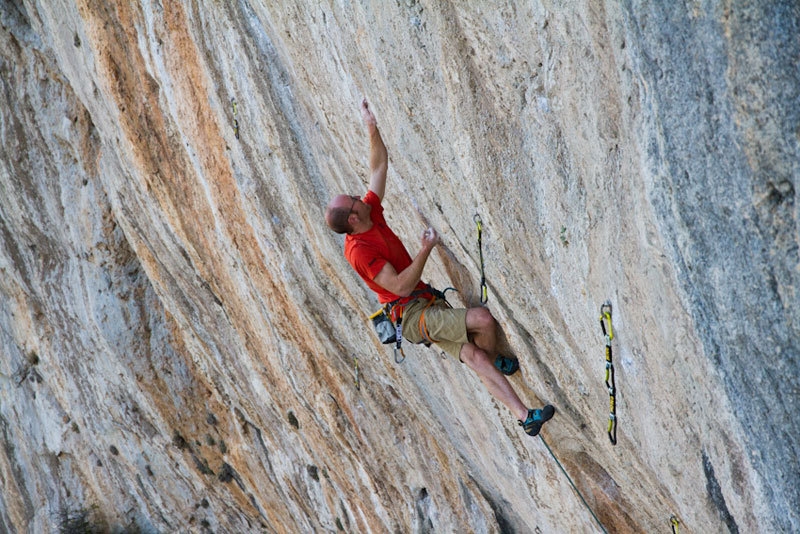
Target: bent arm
x,y
405,282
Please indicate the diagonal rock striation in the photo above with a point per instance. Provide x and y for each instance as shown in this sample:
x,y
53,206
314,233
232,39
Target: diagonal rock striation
x,y
178,327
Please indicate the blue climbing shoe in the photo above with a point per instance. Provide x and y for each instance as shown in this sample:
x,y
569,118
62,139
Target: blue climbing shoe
x,y
536,418
507,366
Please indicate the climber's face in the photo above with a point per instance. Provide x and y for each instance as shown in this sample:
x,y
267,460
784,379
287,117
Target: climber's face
x,y
358,207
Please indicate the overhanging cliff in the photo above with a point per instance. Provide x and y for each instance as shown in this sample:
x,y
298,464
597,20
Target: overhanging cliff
x,y
178,326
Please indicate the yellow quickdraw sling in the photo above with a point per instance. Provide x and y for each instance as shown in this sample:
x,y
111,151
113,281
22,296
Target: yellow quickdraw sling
x,y
608,333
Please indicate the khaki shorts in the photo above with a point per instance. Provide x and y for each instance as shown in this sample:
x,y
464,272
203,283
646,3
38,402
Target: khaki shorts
x,y
446,326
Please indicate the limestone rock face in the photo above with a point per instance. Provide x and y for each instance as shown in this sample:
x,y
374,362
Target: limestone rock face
x,y
179,330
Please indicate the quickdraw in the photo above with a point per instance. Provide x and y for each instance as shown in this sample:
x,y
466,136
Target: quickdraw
x,y
399,355
608,333
484,290
235,120
675,524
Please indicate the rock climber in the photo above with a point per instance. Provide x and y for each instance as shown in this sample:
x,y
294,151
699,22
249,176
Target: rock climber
x,y
383,262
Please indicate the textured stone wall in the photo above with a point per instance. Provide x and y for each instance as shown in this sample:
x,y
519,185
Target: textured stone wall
x,y
178,327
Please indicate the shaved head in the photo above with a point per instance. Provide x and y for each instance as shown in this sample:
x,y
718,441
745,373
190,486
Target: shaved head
x,y
337,214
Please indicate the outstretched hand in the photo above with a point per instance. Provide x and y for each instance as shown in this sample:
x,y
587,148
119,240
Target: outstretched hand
x,y
367,116
378,157
430,238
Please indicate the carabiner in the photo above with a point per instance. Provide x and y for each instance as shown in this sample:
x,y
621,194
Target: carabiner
x,y
605,316
398,347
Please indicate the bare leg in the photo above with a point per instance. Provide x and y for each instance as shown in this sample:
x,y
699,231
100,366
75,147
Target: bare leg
x,y
496,383
482,329
479,356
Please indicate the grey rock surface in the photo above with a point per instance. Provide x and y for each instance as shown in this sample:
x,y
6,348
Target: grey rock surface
x,y
178,327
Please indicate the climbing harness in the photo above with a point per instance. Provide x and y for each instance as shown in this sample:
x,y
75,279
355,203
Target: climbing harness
x,y
484,290
235,120
571,483
388,320
608,333
423,327
675,524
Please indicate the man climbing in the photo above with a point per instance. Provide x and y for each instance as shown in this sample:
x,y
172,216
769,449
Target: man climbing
x,y
383,262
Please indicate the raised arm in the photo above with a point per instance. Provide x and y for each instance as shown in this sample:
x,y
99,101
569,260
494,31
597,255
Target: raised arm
x,y
378,157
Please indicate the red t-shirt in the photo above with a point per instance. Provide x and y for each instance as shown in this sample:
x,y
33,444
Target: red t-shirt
x,y
370,251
